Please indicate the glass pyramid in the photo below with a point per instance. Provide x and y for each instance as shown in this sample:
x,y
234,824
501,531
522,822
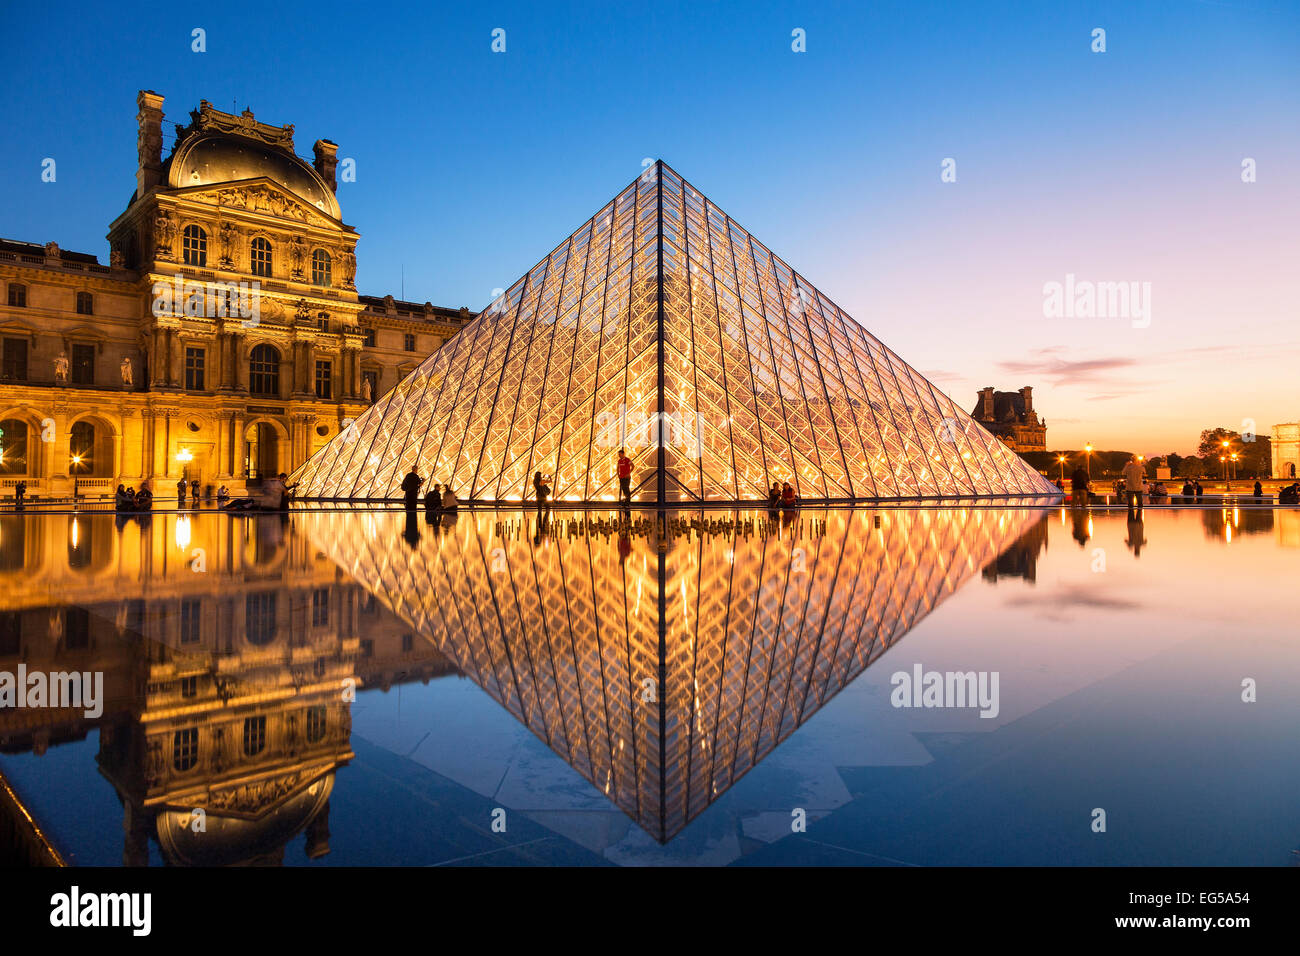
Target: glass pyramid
x,y
664,328
744,636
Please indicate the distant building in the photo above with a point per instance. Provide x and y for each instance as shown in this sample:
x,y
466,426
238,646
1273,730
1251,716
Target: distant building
x,y
1286,450
1011,417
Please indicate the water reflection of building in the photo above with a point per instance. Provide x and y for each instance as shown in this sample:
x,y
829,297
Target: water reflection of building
x,y
1020,560
226,645
663,668
1227,523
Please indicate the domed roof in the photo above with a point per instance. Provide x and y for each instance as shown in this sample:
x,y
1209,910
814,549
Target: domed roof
x,y
213,158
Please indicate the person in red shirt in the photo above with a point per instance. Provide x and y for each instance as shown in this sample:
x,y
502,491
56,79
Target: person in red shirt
x,y
624,476
788,498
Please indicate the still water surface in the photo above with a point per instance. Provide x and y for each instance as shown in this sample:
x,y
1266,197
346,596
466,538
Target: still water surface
x,y
359,687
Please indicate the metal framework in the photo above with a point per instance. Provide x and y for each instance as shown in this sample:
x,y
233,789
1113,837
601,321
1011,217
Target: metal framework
x,y
662,327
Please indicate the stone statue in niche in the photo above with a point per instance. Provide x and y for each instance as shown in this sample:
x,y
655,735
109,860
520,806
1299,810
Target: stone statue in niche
x,y
348,261
164,230
61,368
229,236
365,389
297,252
128,375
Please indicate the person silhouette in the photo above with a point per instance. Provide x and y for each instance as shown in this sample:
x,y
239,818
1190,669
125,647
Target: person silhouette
x,y
1136,537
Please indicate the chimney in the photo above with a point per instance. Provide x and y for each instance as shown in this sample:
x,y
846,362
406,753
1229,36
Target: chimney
x,y
986,398
1027,393
327,161
149,142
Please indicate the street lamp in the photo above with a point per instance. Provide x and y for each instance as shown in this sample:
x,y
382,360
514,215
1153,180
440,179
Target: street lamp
x,y
1088,448
1061,459
1235,455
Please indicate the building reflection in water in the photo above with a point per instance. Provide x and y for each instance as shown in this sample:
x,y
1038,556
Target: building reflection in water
x,y
1224,524
1020,560
665,661
229,649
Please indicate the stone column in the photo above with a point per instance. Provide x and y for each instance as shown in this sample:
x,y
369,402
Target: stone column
x,y
237,465
161,434
238,362
223,448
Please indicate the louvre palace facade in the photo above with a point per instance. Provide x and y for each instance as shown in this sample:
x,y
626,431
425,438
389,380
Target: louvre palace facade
x,y
223,340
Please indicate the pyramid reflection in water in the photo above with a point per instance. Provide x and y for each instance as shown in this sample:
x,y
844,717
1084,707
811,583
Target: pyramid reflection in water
x,y
664,666
663,327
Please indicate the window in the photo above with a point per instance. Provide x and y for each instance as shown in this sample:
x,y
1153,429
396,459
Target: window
x,y
260,255
194,246
315,723
76,628
408,640
194,361
320,267
17,295
324,380
83,365
408,341
15,360
189,686
323,323
11,633
81,449
370,337
259,617
264,371
85,303
185,748
320,607
190,620
254,735
13,447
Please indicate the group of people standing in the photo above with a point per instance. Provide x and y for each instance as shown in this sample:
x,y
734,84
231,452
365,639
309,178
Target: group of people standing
x,y
437,500
128,499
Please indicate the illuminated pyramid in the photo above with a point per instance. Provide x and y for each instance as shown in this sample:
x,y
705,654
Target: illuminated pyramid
x,y
664,328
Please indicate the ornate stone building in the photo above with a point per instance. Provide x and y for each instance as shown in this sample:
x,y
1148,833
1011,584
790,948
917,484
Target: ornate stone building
x,y
231,655
1286,450
1011,417
225,340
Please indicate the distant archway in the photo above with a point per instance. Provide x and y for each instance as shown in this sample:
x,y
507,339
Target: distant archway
x,y
266,444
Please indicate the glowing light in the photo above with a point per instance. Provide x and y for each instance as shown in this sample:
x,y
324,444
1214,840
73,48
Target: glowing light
x,y
185,455
183,532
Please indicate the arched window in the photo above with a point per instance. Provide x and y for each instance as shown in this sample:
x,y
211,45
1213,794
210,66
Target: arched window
x,y
320,267
81,449
315,724
259,617
185,748
13,447
194,246
260,254
264,371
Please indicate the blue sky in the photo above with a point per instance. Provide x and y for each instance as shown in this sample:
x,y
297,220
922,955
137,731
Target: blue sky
x,y
472,165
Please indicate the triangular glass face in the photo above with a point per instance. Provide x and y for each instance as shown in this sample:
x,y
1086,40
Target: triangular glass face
x,y
664,658
664,328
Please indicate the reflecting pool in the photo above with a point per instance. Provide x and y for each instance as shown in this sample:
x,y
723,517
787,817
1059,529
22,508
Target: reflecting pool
x,y
961,685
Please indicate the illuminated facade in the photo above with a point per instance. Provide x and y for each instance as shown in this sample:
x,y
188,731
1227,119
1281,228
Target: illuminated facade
x,y
663,666
663,327
156,366
227,649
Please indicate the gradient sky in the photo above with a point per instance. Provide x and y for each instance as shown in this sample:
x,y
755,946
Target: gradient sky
x,y
471,166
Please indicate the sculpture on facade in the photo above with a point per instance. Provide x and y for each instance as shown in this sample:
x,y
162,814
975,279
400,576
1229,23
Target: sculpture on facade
x,y
61,368
348,261
229,237
128,375
365,390
297,252
164,230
